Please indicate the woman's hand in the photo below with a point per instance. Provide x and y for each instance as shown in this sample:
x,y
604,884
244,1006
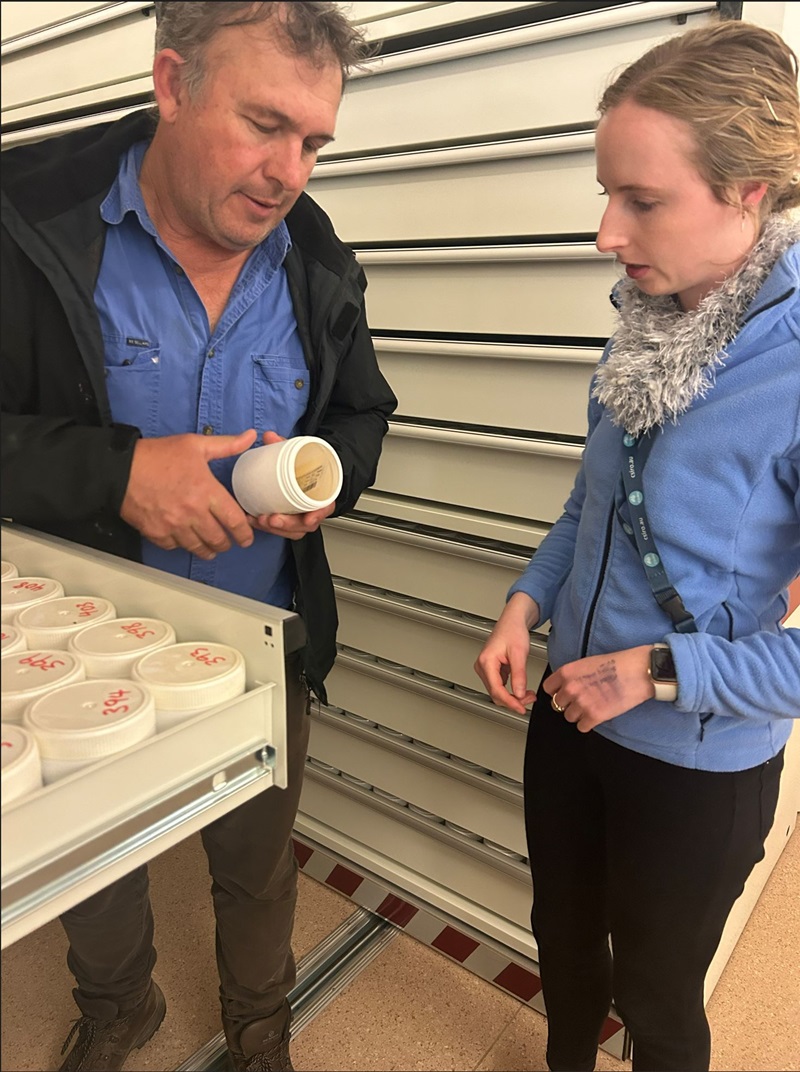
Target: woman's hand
x,y
600,687
506,652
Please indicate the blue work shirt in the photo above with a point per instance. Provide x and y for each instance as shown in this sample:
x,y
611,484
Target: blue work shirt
x,y
167,373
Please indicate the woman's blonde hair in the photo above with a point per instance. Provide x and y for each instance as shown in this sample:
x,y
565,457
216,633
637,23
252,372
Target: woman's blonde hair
x,y
735,84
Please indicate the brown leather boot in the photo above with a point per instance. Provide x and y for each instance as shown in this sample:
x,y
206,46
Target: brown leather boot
x,y
105,1044
263,1045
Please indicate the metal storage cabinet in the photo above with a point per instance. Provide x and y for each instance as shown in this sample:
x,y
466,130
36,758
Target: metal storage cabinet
x,y
74,836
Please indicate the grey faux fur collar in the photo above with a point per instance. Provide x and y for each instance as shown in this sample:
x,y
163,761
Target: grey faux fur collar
x,y
662,358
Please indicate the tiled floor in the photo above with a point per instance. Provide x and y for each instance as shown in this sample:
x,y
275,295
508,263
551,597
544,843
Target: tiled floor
x,y
411,1008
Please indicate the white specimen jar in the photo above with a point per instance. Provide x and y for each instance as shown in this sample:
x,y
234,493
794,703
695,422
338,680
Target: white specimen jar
x,y
17,593
110,649
290,477
7,571
27,675
52,623
21,770
186,679
80,724
12,639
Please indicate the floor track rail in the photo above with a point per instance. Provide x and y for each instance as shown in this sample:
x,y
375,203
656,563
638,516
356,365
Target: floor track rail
x,y
321,977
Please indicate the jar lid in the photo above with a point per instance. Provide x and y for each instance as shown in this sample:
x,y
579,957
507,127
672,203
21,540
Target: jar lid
x,y
110,649
8,570
12,640
52,623
192,676
27,675
91,719
21,770
19,592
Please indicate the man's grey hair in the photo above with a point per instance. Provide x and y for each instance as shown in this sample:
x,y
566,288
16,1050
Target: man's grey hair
x,y
316,31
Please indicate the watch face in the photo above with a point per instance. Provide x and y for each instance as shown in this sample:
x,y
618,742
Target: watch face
x,y
662,667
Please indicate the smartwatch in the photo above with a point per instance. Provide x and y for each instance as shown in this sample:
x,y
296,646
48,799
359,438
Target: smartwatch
x,y
662,672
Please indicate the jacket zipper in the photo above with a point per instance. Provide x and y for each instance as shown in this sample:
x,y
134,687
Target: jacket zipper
x,y
601,578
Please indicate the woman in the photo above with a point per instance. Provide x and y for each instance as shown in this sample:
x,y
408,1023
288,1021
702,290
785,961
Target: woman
x,y
656,743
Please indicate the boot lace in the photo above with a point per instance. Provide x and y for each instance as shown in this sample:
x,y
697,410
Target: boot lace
x,y
274,1059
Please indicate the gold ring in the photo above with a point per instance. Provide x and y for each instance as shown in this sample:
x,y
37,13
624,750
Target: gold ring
x,y
555,705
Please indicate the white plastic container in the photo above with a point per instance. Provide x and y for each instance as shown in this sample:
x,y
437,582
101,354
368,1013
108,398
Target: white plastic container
x,y
51,624
290,477
27,675
110,649
12,640
188,678
17,593
21,770
82,723
7,571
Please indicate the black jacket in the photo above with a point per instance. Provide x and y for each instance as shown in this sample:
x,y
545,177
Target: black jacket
x,y
65,464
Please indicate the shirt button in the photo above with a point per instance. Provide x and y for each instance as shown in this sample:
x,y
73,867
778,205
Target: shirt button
x,y
211,352
208,429
299,383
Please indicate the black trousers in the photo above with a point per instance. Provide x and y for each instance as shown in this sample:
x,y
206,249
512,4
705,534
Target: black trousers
x,y
254,890
649,855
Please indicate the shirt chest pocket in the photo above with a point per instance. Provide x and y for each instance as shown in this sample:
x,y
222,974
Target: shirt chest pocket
x,y
133,377
281,390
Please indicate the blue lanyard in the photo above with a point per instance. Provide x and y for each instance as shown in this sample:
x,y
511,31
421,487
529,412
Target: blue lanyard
x,y
667,597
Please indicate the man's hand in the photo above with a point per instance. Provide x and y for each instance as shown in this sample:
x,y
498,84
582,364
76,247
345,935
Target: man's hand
x,y
600,687
174,499
290,526
506,652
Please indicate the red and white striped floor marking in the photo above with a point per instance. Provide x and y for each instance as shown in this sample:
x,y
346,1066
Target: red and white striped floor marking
x,y
513,975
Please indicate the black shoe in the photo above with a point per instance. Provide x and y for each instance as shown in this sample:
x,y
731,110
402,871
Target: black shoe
x,y
105,1044
263,1046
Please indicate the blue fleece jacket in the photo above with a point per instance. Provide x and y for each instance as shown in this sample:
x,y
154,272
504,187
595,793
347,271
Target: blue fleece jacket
x,y
722,488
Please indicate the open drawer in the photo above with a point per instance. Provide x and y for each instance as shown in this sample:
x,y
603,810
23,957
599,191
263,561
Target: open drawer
x,y
66,841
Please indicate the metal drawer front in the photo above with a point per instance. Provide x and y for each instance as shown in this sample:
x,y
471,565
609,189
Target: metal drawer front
x,y
503,475
518,290
538,191
452,876
446,718
442,644
523,80
504,385
440,570
471,806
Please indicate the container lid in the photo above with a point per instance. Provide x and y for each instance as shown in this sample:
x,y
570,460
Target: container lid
x,y
91,719
111,648
8,570
21,770
45,624
187,677
12,640
28,674
19,592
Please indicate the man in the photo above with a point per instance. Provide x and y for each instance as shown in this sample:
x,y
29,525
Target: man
x,y
170,293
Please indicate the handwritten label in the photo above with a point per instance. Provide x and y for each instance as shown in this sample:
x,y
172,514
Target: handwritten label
x,y
203,655
32,586
86,609
41,662
112,705
138,629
